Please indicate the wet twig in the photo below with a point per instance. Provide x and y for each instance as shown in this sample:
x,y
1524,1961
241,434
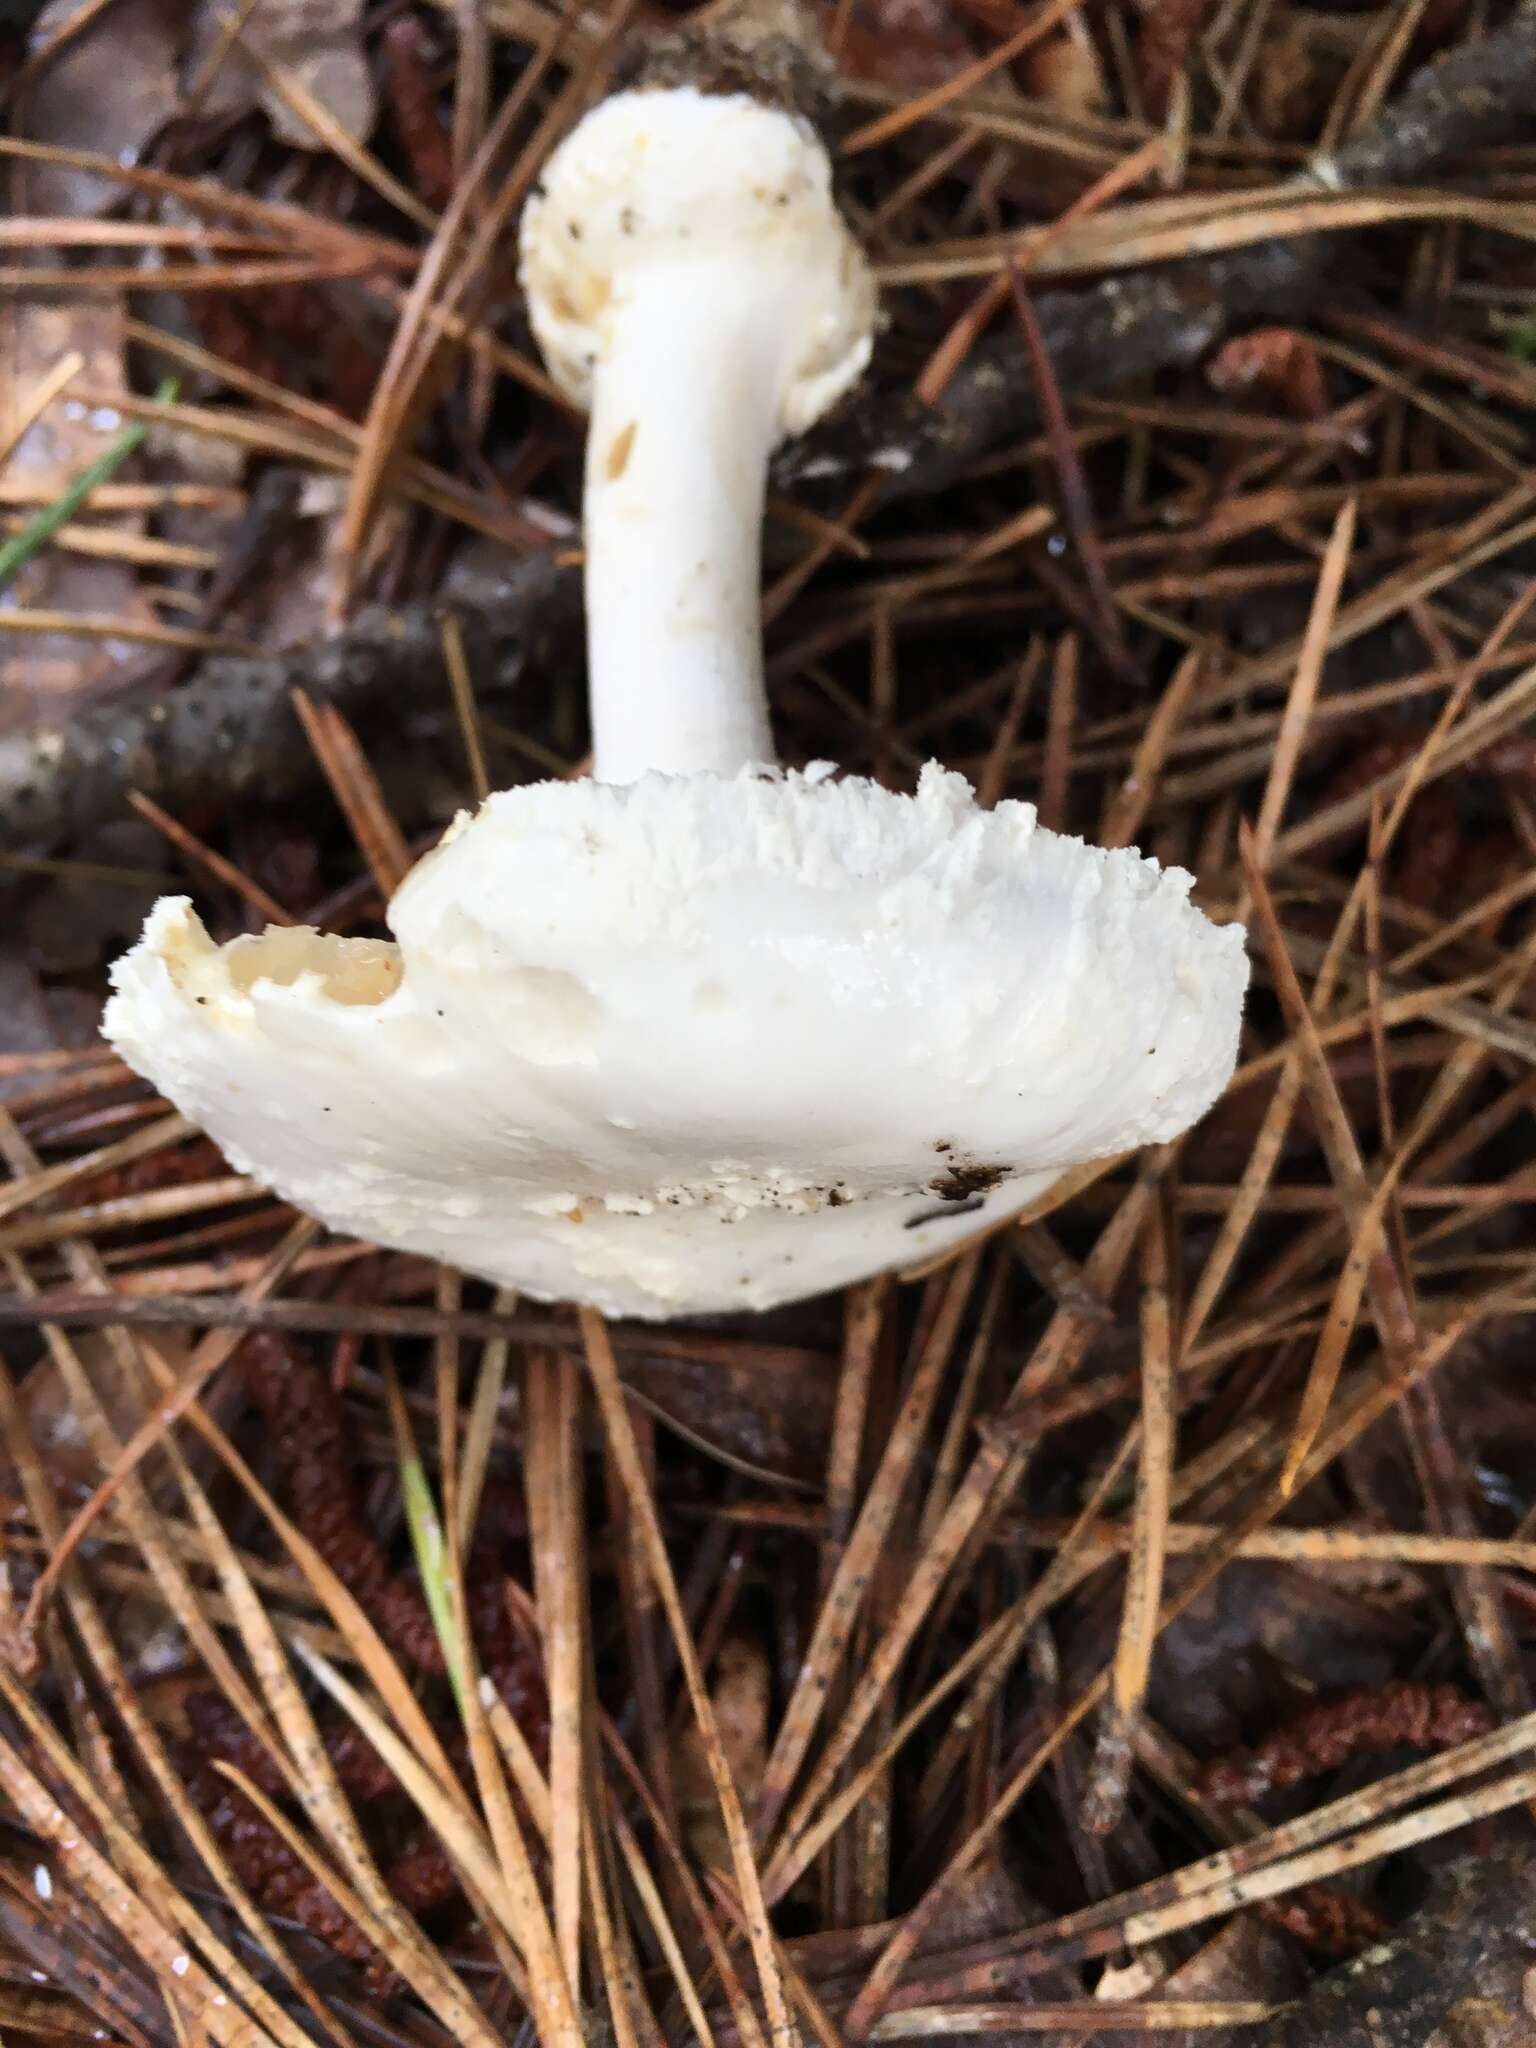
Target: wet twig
x,y
1458,1971
231,732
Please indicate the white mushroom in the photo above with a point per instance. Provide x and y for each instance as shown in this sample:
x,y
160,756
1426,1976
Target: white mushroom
x,y
717,1036
701,1043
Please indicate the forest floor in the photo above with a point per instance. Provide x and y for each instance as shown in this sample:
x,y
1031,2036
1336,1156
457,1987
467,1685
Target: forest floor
x,y
1125,1627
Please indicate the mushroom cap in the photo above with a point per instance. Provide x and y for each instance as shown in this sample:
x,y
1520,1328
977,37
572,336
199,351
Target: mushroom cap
x,y
678,176
700,1043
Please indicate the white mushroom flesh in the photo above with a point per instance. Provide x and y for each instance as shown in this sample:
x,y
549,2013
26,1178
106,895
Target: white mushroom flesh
x,y
696,1045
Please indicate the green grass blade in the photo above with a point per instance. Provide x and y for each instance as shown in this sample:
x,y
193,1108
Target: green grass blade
x,y
44,524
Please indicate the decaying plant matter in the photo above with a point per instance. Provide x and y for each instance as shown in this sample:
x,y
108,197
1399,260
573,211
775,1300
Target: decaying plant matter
x,y
1115,1625
303,1417
1324,1737
1458,1971
1171,315
230,732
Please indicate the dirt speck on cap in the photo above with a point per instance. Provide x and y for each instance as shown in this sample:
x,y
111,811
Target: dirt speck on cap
x,y
958,1183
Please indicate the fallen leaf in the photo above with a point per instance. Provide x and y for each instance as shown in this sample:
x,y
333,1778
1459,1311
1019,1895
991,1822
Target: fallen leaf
x,y
1220,1664
317,42
912,43
55,1426
1276,362
739,1694
1246,1960
110,89
415,112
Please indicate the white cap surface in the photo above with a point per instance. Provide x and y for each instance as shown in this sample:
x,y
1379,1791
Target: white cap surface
x,y
671,177
700,1044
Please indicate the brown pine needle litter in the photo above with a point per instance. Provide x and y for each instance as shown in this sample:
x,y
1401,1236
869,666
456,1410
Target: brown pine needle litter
x,y
1100,1632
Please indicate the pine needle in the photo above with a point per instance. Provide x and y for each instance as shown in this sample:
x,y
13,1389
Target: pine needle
x,y
42,527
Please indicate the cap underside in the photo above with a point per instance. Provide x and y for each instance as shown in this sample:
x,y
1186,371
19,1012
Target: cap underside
x,y
696,1044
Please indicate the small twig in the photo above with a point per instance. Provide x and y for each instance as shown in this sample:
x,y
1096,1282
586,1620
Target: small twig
x,y
230,733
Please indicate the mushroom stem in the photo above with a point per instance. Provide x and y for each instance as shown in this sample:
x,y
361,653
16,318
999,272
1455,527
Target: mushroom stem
x,y
685,413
